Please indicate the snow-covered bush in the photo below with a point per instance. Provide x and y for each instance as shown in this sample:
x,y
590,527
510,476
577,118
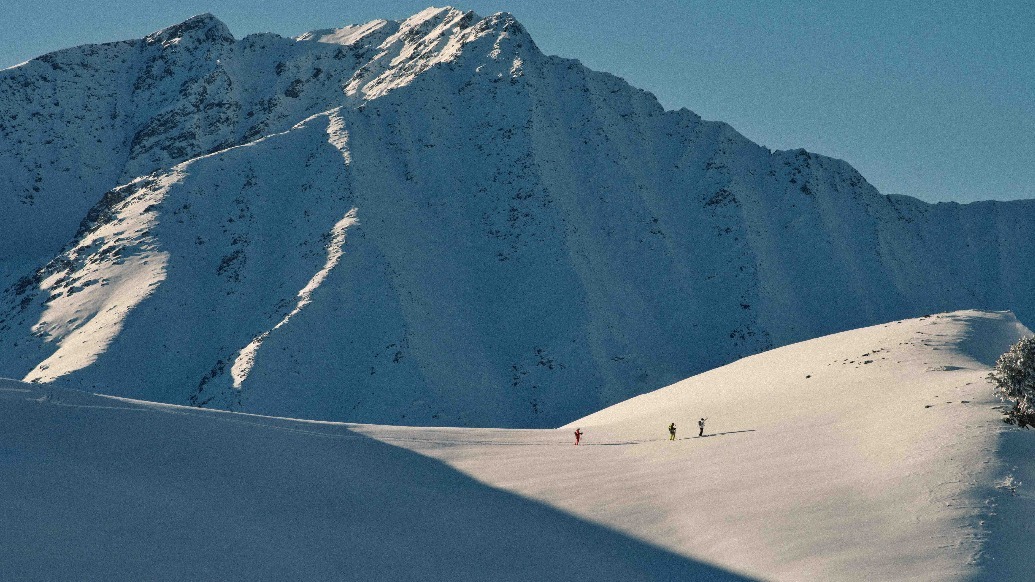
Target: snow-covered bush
x,y
1014,379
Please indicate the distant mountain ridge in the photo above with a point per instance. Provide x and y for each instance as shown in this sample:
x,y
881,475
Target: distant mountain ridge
x,y
431,222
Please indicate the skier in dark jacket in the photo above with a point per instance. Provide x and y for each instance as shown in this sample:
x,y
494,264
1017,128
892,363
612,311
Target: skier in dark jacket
x,y
672,432
700,425
578,436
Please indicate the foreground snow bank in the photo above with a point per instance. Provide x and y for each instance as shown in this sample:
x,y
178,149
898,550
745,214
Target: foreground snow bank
x,y
97,488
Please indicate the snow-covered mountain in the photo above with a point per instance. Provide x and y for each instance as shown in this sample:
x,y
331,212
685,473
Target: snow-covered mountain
x,y
873,454
431,222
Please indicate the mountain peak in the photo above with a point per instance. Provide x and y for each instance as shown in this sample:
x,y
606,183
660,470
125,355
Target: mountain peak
x,y
428,19
200,28
506,24
596,242
431,13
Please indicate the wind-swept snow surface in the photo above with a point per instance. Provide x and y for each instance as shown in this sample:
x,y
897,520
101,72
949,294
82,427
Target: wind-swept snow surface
x,y
876,454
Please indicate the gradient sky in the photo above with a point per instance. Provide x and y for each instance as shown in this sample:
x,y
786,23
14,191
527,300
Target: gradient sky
x,y
931,99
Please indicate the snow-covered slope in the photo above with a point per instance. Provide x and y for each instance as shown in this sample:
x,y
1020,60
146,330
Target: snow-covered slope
x,y
875,454
431,222
78,122
95,488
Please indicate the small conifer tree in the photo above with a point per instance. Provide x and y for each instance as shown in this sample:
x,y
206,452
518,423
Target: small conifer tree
x,y
1014,379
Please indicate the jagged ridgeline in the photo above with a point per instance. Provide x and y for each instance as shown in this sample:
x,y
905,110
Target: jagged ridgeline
x,y
431,222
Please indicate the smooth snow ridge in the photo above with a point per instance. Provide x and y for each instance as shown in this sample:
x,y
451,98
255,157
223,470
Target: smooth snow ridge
x,y
873,454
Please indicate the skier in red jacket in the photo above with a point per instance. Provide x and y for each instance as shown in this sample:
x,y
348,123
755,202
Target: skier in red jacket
x,y
578,435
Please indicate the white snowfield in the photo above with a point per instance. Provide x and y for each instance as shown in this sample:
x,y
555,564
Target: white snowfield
x,y
874,454
431,222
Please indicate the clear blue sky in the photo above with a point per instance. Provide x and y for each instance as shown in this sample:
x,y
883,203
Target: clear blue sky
x,y
931,99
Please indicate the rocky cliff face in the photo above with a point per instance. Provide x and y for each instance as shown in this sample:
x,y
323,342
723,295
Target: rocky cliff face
x,y
431,222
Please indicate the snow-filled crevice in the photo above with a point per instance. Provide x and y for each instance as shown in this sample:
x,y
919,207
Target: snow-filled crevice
x,y
246,357
337,136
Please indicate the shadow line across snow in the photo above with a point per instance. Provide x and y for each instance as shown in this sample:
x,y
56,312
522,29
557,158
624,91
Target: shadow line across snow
x,y
97,488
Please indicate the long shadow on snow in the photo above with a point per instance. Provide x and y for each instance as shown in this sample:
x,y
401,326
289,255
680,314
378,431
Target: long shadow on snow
x,y
1007,554
96,488
715,434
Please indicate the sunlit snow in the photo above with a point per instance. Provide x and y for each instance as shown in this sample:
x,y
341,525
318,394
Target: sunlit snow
x,y
874,454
